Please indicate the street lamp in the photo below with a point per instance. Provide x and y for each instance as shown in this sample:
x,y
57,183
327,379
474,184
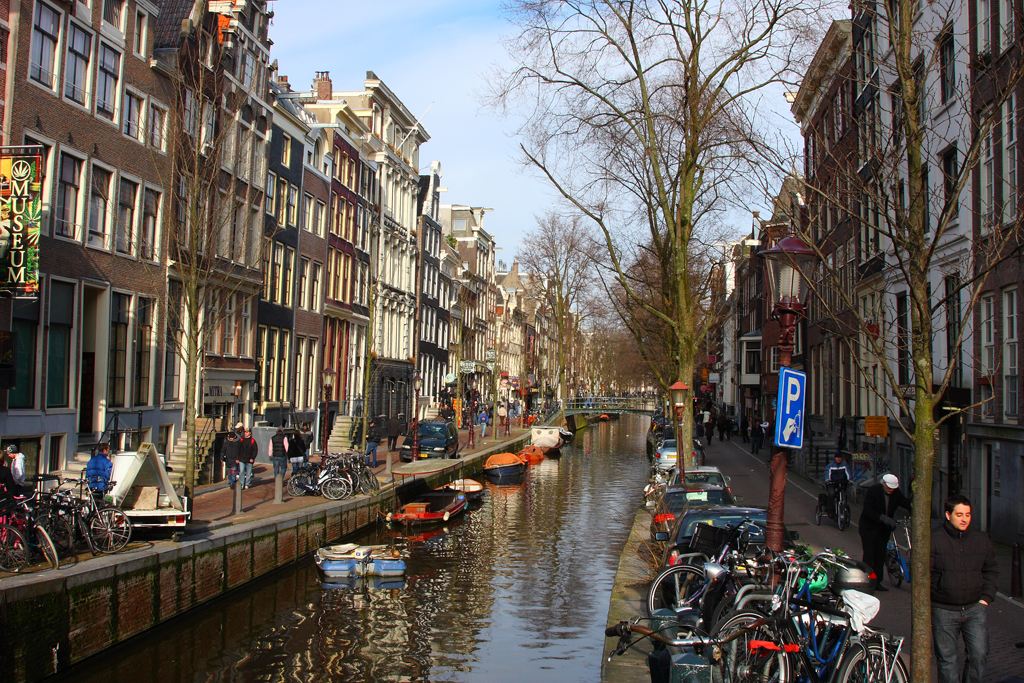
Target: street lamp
x,y
786,268
678,391
417,382
327,380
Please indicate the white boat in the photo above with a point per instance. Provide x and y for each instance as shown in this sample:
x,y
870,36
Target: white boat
x,y
352,559
545,437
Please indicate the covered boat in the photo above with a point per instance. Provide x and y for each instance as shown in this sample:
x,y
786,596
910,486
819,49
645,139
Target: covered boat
x,y
351,559
434,506
471,487
532,455
504,466
546,437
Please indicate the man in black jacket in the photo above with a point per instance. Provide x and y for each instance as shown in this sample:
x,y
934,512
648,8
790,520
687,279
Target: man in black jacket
x,y
964,575
877,521
230,451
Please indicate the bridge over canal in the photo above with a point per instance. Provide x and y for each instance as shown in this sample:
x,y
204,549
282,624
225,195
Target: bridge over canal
x,y
610,404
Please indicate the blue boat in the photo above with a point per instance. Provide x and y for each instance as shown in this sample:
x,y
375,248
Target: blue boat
x,y
504,466
350,559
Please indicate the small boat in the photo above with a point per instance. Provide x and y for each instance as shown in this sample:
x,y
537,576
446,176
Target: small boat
x,y
532,455
504,466
435,506
351,559
567,435
605,417
471,487
547,438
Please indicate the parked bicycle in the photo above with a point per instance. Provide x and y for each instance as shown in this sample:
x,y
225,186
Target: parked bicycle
x,y
21,537
897,563
80,517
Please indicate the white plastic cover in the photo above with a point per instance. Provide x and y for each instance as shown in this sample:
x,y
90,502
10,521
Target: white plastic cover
x,y
142,468
861,607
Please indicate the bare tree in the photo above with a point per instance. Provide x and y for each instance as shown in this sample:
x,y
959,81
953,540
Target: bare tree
x,y
641,119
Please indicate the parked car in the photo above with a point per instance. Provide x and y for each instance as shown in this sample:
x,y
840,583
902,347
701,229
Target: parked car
x,y
677,540
703,474
665,456
670,503
437,439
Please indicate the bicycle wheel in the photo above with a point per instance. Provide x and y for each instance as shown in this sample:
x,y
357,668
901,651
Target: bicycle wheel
x,y
867,664
675,588
110,529
13,549
295,489
363,480
741,661
60,531
45,545
894,569
817,515
844,516
335,488
374,482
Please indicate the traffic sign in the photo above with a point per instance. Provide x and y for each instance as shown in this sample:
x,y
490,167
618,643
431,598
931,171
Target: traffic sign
x,y
789,418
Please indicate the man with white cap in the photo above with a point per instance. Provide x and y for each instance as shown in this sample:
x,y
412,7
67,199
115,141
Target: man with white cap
x,y
878,520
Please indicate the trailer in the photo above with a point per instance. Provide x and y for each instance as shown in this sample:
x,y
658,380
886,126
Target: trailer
x,y
144,492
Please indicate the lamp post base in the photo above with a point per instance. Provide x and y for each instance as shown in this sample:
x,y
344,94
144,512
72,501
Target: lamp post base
x,y
775,533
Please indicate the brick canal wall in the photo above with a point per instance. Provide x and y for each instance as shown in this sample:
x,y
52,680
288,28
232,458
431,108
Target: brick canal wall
x,y
55,618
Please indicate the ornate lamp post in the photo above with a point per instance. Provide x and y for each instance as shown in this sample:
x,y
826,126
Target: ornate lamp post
x,y
327,376
417,382
785,267
678,391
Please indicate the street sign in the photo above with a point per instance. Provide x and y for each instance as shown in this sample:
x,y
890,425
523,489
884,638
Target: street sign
x,y
876,425
467,367
789,419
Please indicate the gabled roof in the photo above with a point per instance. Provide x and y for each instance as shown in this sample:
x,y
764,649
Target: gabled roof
x,y
168,22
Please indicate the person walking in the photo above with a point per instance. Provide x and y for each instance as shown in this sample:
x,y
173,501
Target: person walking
x,y
248,449
230,452
277,451
394,430
502,415
964,577
756,437
745,429
373,436
723,427
877,520
483,423
296,451
17,465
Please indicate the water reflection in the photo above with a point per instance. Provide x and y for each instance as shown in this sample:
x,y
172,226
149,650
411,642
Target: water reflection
x,y
518,586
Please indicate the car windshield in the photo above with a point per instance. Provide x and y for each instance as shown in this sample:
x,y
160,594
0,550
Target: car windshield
x,y
715,478
719,520
668,445
707,497
674,501
429,431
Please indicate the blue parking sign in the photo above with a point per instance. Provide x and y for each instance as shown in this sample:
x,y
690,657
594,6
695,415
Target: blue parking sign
x,y
789,417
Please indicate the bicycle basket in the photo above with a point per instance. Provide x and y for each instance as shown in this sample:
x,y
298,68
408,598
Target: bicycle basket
x,y
708,539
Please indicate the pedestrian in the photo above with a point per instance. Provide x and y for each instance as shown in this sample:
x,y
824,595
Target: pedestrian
x,y
745,429
723,427
756,437
230,452
99,468
277,450
502,414
248,449
373,436
877,520
8,489
394,429
17,465
964,580
837,477
239,430
296,451
483,423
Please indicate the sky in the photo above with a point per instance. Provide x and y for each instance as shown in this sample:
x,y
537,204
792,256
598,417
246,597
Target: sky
x,y
432,54
435,56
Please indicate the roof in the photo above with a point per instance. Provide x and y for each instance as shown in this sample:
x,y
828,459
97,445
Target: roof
x,y
168,22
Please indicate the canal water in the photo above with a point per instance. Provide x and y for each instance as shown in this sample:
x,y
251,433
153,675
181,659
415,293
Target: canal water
x,y
515,590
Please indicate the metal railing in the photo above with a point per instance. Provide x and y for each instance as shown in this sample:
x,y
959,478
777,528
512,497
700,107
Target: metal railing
x,y
610,404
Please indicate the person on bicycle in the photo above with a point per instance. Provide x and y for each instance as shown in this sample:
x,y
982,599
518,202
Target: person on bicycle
x,y
97,472
837,477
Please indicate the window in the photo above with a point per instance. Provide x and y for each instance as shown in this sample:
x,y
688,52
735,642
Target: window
x,y
172,338
1006,22
275,272
1009,160
949,178
269,194
125,216
76,65
954,325
227,341
988,349
99,206
1010,376
988,199
143,342
66,214
321,209
314,288
249,67
293,205
244,325
24,324
141,34
190,112
752,358
303,295
947,68
212,322
286,277
150,206
157,127
282,201
113,12
45,36
286,150
984,32
116,365
133,108
307,213
776,360
108,75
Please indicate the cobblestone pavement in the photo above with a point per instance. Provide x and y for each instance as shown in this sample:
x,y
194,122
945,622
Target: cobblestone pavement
x,y
750,480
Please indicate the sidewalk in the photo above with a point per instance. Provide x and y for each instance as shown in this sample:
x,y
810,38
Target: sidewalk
x,y
211,508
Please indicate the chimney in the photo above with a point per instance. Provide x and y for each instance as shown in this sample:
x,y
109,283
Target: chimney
x,y
283,82
322,85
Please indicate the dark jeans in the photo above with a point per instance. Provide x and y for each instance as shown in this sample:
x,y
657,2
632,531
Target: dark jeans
x,y
755,445
371,453
874,545
392,442
972,623
280,465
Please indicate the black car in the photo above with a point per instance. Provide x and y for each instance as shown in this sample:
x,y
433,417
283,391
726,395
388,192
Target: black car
x,y
677,540
437,439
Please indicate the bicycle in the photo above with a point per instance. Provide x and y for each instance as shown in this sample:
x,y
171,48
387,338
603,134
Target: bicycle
x,y
21,537
838,511
102,526
896,564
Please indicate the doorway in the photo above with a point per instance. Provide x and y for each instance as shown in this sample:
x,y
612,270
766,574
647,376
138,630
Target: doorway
x,y
85,395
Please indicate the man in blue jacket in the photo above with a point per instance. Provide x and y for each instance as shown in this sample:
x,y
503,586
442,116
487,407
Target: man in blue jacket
x,y
97,472
964,577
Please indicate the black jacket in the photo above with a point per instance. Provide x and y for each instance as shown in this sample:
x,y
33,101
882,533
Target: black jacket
x,y
876,505
394,427
964,568
230,451
373,434
248,449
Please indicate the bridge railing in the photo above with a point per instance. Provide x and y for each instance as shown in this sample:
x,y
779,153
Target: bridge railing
x,y
610,404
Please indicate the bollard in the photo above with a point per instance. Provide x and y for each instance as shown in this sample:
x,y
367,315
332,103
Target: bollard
x,y
278,488
1015,587
236,502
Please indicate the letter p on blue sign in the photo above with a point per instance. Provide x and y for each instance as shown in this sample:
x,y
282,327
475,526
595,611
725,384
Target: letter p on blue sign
x,y
789,420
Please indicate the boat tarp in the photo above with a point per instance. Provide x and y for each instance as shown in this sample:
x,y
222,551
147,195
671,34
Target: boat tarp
x,y
546,437
501,459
